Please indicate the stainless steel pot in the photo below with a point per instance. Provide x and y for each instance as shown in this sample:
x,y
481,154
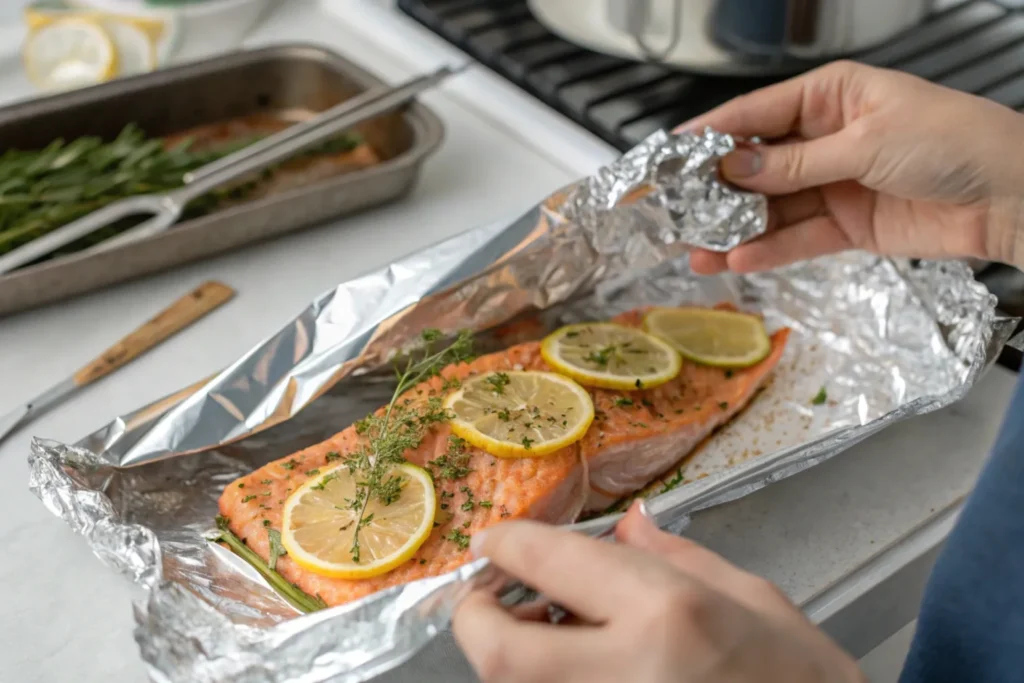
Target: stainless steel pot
x,y
731,36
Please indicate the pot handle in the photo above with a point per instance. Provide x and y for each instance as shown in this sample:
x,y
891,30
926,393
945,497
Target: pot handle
x,y
638,13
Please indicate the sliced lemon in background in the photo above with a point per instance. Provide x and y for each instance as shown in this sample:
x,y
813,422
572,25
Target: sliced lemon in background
x,y
140,43
319,524
136,52
69,53
523,414
724,339
611,356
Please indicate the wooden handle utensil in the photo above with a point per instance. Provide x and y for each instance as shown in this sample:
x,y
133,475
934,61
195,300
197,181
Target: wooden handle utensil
x,y
179,315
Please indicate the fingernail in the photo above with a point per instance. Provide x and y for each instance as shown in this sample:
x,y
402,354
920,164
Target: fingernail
x,y
476,543
742,163
641,505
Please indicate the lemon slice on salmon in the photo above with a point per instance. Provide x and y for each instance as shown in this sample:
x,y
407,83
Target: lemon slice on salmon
x,y
611,356
724,339
522,414
69,53
319,524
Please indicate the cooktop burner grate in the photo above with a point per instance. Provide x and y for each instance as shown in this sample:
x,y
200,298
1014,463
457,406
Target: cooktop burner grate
x,y
977,47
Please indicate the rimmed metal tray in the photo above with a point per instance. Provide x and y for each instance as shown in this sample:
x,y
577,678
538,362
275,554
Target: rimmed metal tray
x,y
292,82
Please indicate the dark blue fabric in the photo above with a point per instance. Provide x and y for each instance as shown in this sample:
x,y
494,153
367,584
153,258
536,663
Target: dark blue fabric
x,y
971,626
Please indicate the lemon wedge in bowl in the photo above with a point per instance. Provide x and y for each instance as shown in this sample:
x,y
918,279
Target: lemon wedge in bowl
x,y
319,523
69,53
524,414
610,356
724,339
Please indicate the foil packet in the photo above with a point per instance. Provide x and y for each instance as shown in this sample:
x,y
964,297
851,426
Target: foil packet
x,y
874,341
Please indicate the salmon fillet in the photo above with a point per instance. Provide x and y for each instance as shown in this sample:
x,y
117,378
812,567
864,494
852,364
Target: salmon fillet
x,y
636,436
639,435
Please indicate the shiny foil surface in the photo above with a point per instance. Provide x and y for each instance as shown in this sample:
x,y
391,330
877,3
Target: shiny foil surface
x,y
885,339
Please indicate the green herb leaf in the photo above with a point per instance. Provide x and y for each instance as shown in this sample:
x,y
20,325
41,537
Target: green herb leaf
x,y
498,382
276,549
820,397
459,538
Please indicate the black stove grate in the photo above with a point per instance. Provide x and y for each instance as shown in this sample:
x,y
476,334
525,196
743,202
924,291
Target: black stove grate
x,y
977,47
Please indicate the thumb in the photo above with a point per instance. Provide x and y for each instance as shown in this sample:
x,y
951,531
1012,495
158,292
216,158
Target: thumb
x,y
794,166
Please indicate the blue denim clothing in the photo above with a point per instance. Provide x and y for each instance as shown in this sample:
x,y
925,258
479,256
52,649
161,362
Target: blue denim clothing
x,y
971,625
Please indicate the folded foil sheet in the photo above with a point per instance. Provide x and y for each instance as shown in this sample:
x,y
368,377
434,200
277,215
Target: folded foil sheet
x,y
885,339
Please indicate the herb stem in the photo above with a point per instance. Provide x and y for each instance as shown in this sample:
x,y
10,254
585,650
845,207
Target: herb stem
x,y
289,591
385,449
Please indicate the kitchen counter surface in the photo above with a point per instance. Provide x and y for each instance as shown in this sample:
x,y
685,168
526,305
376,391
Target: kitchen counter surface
x,y
836,537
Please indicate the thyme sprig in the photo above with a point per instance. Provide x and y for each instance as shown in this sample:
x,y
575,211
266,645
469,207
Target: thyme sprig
x,y
400,428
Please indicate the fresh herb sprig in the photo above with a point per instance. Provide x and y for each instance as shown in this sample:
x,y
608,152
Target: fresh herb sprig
x,y
400,428
299,599
43,189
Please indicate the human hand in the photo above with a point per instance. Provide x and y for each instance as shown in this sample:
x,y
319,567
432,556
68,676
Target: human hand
x,y
652,608
866,158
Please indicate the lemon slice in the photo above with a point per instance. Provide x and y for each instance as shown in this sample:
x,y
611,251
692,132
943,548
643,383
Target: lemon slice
x,y
136,52
520,414
724,339
70,53
319,524
610,356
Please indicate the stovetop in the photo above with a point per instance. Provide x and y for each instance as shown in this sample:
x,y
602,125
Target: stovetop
x,y
977,47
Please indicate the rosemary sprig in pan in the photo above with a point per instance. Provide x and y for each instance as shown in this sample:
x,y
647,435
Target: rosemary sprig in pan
x,y
41,190
400,428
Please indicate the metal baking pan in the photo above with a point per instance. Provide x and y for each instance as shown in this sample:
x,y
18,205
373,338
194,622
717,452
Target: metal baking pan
x,y
291,82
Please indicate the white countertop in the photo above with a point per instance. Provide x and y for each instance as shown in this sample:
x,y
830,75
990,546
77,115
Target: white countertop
x,y
66,617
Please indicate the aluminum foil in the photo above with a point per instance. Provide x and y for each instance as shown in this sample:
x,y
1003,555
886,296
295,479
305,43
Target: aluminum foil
x,y
884,339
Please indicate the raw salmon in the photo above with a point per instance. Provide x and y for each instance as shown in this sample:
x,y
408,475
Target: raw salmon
x,y
636,436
